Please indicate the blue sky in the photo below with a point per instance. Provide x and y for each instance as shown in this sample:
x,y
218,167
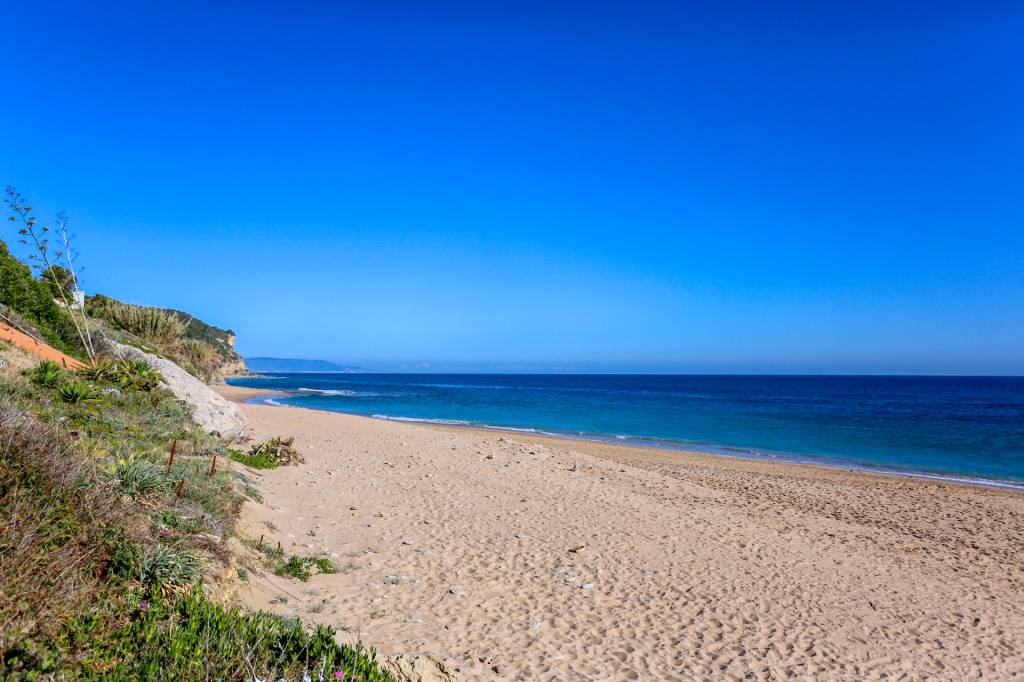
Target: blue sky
x,y
696,187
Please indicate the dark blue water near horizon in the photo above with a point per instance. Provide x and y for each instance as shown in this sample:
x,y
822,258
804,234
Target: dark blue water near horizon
x,y
955,427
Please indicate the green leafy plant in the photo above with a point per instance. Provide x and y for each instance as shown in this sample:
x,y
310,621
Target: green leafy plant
x,y
47,374
138,477
76,392
299,567
164,634
102,369
168,566
137,374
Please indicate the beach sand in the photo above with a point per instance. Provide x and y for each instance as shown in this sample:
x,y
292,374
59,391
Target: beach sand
x,y
517,557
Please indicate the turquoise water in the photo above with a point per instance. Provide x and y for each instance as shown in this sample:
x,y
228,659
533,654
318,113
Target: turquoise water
x,y
968,428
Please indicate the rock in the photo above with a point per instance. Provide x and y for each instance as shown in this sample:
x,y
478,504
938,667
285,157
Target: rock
x,y
410,668
587,586
214,413
559,570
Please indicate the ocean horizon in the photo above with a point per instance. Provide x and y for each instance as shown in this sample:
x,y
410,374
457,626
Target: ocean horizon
x,y
960,428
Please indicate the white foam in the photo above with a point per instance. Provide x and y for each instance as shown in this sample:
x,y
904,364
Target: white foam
x,y
328,391
449,422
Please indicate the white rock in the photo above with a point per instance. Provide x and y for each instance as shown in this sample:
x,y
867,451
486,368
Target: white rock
x,y
214,413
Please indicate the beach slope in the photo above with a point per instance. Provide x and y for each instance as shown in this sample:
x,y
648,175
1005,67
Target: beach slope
x,y
529,558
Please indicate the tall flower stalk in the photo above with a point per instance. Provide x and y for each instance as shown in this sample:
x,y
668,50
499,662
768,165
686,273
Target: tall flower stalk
x,y
49,262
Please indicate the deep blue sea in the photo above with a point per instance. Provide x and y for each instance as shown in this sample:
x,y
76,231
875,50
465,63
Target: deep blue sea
x,y
957,427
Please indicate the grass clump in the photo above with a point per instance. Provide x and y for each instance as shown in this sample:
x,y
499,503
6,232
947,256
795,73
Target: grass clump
x,y
170,567
154,326
138,477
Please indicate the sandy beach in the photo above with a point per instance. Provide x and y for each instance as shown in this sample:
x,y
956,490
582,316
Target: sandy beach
x,y
517,557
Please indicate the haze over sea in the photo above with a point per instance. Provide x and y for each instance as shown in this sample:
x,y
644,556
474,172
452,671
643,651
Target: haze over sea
x,y
969,428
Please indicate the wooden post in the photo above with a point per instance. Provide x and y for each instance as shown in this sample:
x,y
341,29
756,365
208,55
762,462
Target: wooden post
x,y
213,466
177,493
170,460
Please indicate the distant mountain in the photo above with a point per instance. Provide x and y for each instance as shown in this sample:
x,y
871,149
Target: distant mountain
x,y
298,365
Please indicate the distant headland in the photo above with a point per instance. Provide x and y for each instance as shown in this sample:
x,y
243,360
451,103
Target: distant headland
x,y
299,365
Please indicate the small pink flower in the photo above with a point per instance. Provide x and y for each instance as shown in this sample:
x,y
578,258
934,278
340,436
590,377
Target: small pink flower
x,y
339,674
143,606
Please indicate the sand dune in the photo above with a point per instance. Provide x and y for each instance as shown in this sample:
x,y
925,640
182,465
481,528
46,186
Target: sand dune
x,y
528,558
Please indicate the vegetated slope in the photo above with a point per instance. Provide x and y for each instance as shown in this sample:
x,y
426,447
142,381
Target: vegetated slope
x,y
222,341
34,310
114,505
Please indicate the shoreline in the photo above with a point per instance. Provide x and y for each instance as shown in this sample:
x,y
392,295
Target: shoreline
x,y
252,396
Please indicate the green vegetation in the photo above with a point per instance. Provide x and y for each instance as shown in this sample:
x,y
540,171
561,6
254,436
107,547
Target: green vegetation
x,y
191,638
136,374
198,358
76,393
154,326
269,454
30,300
114,505
47,374
299,567
104,538
201,349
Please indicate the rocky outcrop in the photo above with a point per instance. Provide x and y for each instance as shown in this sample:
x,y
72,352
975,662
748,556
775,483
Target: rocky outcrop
x,y
211,411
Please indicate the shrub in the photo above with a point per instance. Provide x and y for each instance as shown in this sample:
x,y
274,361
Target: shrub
x,y
269,454
47,374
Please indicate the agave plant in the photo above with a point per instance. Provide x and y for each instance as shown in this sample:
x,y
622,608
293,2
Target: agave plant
x,y
76,392
101,370
47,374
131,373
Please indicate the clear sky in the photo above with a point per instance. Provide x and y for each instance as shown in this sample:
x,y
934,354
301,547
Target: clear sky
x,y
697,187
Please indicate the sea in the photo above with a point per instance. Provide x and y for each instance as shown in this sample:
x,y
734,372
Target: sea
x,y
967,429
